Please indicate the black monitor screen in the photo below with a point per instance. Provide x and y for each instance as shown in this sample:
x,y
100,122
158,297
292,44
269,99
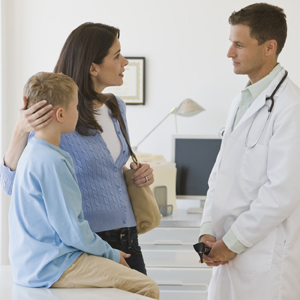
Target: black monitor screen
x,y
194,158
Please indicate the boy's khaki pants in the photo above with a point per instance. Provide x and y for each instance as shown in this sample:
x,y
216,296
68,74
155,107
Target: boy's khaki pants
x,y
90,271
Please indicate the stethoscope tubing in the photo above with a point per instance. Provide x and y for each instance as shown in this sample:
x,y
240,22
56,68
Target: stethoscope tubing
x,y
270,109
246,140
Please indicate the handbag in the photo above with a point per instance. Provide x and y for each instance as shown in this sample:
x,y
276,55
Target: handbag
x,y
143,202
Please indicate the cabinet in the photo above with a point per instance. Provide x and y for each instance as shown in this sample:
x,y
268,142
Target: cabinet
x,y
171,259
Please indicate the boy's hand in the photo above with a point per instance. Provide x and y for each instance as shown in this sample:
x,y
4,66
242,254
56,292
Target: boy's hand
x,y
122,259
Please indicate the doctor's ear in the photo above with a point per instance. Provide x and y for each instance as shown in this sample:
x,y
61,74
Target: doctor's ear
x,y
271,47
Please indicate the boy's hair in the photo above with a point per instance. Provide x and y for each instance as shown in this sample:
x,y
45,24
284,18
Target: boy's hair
x,y
266,22
56,88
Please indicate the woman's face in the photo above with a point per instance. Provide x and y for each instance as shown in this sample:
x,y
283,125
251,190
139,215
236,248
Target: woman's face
x,y
110,71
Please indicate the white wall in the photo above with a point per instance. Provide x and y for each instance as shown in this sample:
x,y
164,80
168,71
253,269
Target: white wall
x,y
3,212
185,43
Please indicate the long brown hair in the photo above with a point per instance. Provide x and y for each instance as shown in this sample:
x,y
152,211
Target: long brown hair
x,y
89,43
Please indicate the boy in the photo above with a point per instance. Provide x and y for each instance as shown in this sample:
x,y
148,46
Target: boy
x,y
50,242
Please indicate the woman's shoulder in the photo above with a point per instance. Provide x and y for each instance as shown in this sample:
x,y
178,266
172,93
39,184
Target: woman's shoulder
x,y
121,103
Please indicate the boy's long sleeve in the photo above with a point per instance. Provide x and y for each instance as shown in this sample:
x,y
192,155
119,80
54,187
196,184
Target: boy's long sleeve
x,y
63,204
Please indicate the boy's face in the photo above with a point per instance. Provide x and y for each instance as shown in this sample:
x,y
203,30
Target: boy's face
x,y
71,114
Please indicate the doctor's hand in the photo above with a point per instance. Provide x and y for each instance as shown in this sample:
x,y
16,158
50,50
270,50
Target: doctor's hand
x,y
220,252
209,240
143,176
123,262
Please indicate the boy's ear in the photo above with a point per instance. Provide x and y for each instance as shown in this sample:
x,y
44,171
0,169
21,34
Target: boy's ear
x,y
60,115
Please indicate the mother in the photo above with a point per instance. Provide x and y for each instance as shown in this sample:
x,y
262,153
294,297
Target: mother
x,y
92,57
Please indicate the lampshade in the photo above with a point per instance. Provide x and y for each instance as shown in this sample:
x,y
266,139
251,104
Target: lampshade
x,y
188,108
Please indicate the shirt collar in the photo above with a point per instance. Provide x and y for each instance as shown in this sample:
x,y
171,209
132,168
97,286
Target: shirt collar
x,y
257,88
35,140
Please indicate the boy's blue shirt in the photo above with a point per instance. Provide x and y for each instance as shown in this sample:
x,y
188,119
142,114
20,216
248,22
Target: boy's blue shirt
x,y
105,200
46,224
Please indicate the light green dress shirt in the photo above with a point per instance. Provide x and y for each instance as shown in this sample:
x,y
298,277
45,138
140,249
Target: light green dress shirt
x,y
248,95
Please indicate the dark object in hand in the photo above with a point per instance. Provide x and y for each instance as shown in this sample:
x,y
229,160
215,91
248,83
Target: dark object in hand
x,y
201,249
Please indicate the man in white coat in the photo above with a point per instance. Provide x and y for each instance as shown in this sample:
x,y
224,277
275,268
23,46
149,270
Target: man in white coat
x,y
251,218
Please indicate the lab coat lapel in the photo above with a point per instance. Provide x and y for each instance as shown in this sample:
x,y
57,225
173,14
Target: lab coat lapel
x,y
231,115
260,101
257,104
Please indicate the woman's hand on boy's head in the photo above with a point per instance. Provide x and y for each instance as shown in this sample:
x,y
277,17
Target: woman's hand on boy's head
x,y
143,176
33,119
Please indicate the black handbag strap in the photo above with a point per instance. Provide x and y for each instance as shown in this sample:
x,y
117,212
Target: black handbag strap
x,y
119,117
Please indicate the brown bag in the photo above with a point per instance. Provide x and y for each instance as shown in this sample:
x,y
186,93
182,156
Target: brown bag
x,y
143,202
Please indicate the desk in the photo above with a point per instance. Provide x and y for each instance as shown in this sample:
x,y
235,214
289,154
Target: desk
x,y
171,259
10,291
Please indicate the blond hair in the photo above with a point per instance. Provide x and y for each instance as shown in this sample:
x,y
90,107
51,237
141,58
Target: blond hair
x,y
56,88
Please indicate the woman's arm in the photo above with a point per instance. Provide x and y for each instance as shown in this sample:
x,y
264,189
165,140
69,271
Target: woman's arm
x,y
29,120
144,175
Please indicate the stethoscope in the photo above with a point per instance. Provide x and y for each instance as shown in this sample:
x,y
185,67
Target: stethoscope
x,y
270,109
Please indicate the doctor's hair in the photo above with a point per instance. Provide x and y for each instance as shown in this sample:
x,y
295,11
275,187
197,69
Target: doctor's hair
x,y
57,89
266,22
88,43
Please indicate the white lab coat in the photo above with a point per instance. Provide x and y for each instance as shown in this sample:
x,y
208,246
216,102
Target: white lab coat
x,y
256,193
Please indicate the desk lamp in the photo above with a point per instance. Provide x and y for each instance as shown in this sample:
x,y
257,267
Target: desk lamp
x,y
187,108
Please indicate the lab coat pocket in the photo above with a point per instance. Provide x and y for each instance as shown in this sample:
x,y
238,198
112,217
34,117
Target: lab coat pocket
x,y
258,258
254,164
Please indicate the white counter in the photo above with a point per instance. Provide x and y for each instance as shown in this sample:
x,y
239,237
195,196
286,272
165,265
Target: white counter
x,y
171,259
10,291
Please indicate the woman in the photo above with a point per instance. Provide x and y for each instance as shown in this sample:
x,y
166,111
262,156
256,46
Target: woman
x,y
91,56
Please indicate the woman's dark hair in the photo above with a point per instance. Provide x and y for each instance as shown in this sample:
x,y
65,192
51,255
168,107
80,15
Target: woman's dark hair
x,y
89,43
266,22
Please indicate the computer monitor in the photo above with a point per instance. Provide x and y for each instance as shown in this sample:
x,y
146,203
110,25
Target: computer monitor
x,y
194,157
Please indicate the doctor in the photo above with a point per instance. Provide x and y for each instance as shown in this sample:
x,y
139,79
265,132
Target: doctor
x,y
251,218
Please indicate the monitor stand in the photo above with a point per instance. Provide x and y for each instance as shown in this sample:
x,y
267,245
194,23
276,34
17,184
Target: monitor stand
x,y
195,210
190,206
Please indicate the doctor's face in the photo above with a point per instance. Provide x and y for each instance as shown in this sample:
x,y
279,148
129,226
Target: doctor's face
x,y
247,56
